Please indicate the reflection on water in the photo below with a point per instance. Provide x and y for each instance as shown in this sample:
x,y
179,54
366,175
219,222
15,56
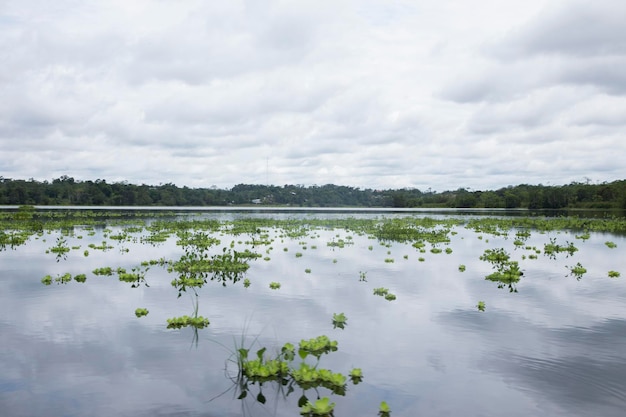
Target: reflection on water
x,y
553,346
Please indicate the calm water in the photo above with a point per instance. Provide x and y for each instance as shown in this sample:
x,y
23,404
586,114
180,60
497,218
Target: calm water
x,y
557,347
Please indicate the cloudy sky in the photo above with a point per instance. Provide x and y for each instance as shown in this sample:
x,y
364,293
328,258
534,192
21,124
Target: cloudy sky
x,y
368,93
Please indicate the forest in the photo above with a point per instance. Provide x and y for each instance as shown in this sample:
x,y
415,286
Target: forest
x,y
68,191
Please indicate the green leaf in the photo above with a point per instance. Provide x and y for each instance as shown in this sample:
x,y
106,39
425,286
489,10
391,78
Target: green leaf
x,y
303,353
384,407
243,353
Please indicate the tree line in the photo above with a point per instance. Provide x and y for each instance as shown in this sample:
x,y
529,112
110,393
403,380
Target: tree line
x,y
68,191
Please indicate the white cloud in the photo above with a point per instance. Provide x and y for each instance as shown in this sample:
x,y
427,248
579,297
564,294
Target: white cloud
x,y
364,93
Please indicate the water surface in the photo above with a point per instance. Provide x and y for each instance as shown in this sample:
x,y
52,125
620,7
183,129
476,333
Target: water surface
x,y
555,347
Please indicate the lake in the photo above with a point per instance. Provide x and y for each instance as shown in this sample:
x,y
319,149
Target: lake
x,y
545,335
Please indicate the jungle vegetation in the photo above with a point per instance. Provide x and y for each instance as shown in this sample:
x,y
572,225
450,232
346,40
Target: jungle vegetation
x,y
68,191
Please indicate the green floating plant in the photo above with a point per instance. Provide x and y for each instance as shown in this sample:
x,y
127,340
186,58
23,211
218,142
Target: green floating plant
x,y
60,279
186,321
317,346
140,312
384,292
390,297
381,291
384,410
481,306
339,320
577,270
614,274
107,270
356,375
320,408
274,285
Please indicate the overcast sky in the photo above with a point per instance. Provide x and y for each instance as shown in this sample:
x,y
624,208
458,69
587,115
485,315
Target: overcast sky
x,y
367,93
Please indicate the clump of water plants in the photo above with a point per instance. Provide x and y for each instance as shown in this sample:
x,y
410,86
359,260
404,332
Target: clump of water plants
x,y
611,245
384,292
381,291
140,312
481,306
507,273
317,346
552,248
339,320
274,285
107,270
280,369
61,249
307,270
390,297
577,270
320,408
59,279
614,274
246,283
198,322
583,236
462,268
495,256
135,277
80,278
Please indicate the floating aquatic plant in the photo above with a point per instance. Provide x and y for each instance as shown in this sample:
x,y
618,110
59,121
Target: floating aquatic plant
x,y
356,375
320,408
198,322
339,320
577,270
140,312
384,410
381,291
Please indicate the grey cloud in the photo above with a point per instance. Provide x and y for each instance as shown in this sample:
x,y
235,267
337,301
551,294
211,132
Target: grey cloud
x,y
577,28
606,74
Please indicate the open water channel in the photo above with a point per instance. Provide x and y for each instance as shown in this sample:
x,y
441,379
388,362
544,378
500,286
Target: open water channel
x,y
551,344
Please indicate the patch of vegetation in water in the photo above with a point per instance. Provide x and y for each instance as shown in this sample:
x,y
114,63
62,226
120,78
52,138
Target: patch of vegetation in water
x,y
198,322
339,320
